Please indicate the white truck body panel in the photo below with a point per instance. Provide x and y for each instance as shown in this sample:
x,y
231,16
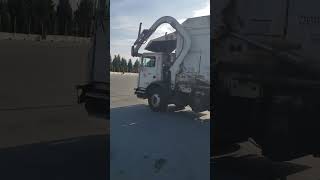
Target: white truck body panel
x,y
304,25
268,18
196,64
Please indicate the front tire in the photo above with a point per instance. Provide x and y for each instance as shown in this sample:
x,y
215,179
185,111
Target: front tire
x,y
157,100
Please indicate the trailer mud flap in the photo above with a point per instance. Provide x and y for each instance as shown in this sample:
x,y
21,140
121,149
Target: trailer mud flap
x,y
95,97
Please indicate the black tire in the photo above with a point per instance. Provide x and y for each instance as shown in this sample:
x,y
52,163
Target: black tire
x,y
158,100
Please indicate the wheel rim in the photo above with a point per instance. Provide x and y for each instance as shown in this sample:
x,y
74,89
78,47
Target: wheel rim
x,y
155,100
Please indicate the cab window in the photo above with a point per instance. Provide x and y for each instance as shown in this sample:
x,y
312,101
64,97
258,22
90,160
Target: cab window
x,y
149,61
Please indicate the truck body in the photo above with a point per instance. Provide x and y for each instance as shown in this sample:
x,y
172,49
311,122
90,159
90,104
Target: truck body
x,y
177,70
94,93
266,75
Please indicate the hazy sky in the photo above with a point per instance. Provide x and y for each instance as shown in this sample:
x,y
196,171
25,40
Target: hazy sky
x,y
125,16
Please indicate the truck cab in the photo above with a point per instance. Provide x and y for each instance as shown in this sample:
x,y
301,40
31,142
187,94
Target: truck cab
x,y
154,67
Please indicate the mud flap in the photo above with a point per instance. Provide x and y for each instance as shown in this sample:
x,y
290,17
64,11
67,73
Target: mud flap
x,y
95,97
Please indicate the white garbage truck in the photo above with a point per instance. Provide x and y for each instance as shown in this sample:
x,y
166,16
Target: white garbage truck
x,y
176,70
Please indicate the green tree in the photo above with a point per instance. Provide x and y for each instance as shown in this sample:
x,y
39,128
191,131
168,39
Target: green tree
x,y
25,17
113,62
110,63
43,11
13,7
64,17
29,16
83,17
111,66
4,17
124,65
23,13
116,63
136,66
130,66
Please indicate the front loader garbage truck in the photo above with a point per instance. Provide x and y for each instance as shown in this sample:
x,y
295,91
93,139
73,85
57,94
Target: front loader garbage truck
x,y
177,68
267,76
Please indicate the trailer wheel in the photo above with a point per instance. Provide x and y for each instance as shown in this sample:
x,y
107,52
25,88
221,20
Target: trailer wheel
x,y
157,100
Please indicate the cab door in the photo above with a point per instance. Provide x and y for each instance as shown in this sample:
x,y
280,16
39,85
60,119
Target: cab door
x,y
148,71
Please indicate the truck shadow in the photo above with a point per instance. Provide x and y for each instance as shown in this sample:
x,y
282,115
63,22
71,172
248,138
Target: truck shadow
x,y
84,157
252,167
144,111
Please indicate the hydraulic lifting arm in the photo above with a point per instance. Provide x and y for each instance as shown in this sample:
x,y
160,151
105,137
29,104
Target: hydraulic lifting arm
x,y
146,33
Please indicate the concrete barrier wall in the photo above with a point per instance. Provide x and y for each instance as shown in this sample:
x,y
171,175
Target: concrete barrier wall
x,y
36,37
41,73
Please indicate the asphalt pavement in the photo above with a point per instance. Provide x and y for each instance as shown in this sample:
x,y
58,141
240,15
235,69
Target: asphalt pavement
x,y
147,145
80,158
53,143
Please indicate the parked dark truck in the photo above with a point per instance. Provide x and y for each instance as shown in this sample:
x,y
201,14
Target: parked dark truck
x,y
94,93
266,70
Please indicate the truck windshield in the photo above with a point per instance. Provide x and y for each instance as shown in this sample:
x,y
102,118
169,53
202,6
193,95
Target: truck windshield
x,y
149,61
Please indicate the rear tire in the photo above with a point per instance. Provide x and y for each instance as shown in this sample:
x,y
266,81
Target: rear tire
x,y
158,100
